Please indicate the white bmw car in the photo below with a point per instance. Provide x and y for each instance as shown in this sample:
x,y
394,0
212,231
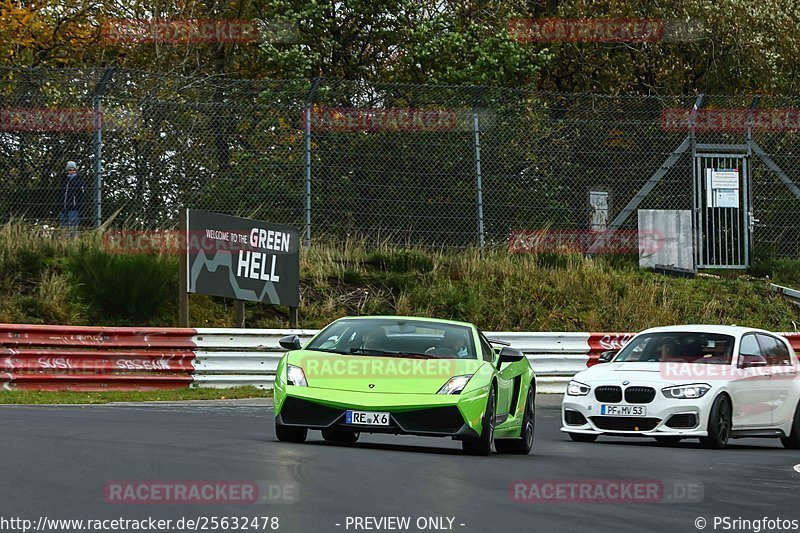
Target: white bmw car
x,y
708,382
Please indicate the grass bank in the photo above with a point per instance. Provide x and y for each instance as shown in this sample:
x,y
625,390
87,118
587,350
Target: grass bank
x,y
48,278
65,397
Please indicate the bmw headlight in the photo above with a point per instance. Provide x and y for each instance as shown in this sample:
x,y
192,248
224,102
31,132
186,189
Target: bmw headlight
x,y
576,388
295,376
454,385
685,392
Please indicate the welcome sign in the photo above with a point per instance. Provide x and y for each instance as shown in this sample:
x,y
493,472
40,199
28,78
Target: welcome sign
x,y
242,258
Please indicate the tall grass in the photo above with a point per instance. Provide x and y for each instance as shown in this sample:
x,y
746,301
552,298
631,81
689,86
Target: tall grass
x,y
46,277
131,286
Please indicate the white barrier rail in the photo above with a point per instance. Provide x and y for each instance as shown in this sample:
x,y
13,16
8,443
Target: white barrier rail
x,y
228,358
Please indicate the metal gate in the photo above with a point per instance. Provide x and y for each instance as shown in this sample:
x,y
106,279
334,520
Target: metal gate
x,y
722,210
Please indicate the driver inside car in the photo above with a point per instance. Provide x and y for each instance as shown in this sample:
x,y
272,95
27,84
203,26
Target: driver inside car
x,y
374,339
453,343
667,350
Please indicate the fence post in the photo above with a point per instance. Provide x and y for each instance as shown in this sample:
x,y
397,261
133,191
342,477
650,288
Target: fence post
x,y
183,268
476,136
97,104
307,163
98,160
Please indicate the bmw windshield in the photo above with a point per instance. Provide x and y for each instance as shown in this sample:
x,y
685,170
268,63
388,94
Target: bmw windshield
x,y
681,347
396,338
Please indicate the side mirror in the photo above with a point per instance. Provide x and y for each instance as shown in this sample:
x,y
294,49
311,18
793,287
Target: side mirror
x,y
510,355
290,342
607,357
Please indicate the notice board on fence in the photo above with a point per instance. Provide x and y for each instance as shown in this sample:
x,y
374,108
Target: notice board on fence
x,y
241,258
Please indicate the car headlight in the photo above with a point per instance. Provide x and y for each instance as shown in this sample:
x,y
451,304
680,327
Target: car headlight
x,y
685,392
295,376
576,388
454,385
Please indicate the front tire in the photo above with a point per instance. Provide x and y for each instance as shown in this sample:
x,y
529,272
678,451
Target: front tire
x,y
289,433
793,440
341,436
524,444
719,424
483,445
582,437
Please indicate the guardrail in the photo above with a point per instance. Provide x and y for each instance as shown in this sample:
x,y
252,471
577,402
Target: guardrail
x,y
85,358
554,356
235,357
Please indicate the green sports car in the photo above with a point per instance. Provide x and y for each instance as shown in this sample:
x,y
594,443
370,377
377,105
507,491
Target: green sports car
x,y
406,376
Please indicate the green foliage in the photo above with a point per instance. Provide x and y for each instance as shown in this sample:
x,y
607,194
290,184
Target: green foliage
x,y
726,46
80,283
352,277
123,287
401,261
780,271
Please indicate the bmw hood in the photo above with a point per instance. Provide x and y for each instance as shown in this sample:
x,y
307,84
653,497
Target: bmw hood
x,y
379,374
616,372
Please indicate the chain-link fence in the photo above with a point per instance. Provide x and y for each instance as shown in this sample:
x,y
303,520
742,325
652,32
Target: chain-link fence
x,y
427,165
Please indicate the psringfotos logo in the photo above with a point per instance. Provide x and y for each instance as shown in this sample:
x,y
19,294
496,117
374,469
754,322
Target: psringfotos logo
x,y
606,491
757,525
199,492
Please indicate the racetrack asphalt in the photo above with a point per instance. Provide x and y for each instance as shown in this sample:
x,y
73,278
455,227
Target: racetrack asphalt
x,y
58,460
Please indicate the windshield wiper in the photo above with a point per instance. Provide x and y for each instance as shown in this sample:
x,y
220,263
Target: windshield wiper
x,y
327,350
411,355
367,351
373,351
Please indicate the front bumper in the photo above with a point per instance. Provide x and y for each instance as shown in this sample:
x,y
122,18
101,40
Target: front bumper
x,y
665,417
434,415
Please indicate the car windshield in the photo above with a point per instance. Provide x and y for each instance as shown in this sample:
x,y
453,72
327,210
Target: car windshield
x,y
396,338
684,347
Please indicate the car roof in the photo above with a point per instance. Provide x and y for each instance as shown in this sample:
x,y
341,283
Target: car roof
x,y
735,331
416,318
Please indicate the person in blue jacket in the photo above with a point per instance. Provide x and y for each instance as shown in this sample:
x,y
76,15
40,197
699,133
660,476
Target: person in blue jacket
x,y
72,198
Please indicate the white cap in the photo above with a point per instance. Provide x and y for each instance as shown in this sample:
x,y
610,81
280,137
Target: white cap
x,y
72,164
